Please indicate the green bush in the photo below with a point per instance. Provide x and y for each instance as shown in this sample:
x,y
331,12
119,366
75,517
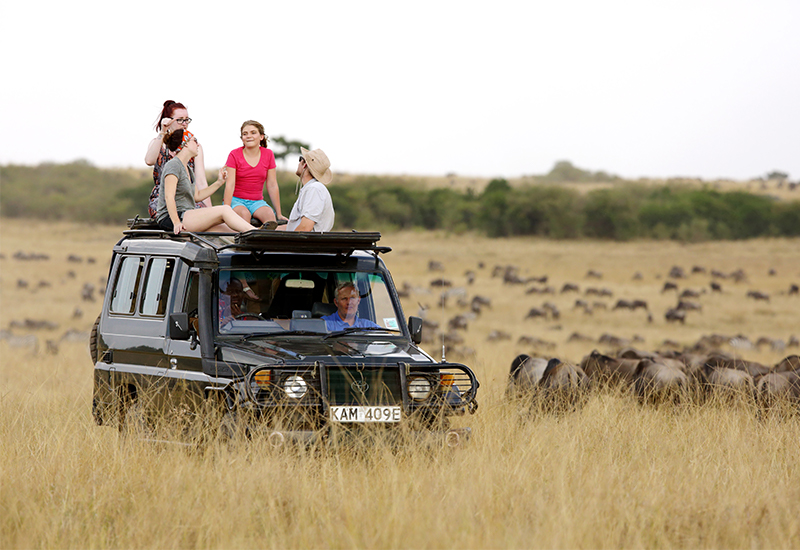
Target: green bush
x,y
625,211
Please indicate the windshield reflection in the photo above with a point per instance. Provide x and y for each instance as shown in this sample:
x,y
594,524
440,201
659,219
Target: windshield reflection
x,y
291,302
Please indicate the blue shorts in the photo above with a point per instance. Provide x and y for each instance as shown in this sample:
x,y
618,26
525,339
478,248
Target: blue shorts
x,y
252,206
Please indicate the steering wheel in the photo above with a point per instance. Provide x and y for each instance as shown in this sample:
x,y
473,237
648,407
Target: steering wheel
x,y
245,315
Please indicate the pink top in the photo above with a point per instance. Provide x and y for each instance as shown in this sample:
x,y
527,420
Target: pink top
x,y
250,179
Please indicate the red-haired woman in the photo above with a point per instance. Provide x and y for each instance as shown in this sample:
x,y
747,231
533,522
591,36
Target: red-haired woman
x,y
249,167
173,116
177,197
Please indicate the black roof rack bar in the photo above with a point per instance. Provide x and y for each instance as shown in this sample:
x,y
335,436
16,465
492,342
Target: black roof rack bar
x,y
277,241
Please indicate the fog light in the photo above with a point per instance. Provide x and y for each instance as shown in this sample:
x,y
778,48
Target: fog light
x,y
419,388
447,380
295,387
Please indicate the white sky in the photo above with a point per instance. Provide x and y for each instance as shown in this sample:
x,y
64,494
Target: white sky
x,y
493,88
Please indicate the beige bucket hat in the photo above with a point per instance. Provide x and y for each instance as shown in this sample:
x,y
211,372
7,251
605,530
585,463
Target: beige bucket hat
x,y
318,164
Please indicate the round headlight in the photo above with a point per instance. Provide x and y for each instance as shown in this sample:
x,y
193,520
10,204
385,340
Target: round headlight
x,y
295,387
419,388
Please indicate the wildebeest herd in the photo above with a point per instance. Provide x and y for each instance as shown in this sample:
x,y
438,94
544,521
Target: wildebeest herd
x,y
656,377
679,371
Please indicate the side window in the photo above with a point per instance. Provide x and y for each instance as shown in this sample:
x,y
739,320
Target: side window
x,y
127,285
156,287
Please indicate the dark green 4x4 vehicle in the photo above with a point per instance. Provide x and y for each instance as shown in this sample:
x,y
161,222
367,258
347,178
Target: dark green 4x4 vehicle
x,y
248,323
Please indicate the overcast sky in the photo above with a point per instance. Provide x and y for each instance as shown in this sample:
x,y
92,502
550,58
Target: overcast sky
x,y
492,88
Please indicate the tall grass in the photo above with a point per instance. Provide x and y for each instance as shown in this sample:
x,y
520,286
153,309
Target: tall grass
x,y
613,473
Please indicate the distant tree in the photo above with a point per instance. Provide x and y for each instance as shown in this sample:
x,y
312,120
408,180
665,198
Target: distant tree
x,y
285,147
777,175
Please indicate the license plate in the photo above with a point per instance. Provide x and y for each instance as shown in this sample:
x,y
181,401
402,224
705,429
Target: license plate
x,y
365,414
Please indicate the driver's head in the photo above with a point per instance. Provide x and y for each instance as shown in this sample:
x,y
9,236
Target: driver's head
x,y
234,290
347,299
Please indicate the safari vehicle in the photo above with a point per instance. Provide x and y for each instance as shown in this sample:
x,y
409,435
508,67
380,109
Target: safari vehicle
x,y
236,321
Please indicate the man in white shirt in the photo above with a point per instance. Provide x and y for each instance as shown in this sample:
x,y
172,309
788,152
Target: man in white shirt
x,y
313,210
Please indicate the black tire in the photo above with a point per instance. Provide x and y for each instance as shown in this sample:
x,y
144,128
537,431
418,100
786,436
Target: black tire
x,y
93,341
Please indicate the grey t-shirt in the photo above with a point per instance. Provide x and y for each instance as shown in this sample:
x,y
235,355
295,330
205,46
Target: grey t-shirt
x,y
314,203
184,194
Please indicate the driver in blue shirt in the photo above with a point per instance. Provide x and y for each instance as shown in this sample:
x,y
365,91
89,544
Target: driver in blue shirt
x,y
346,316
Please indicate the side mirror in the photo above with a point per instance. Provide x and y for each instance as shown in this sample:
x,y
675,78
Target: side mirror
x,y
415,328
179,326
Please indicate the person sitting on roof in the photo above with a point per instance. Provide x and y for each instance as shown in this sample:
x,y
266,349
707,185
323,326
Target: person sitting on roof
x,y
313,210
346,316
177,197
173,116
249,168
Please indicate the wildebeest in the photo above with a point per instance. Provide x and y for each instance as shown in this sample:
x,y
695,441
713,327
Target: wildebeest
x,y
669,285
604,368
775,387
552,384
673,315
536,312
658,379
497,335
676,273
569,287
758,295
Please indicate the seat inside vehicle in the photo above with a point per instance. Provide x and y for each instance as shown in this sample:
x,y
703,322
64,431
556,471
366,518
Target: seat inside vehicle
x,y
321,309
296,291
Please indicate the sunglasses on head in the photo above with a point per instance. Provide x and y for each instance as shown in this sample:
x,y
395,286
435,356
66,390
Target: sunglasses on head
x,y
301,159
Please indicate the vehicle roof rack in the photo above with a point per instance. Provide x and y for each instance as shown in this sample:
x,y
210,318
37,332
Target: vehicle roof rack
x,y
343,243
308,241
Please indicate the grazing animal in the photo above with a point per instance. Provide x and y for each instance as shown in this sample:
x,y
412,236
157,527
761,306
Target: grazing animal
x,y
794,289
676,273
790,363
675,315
497,335
758,295
775,387
551,384
459,322
687,305
659,379
603,368
726,382
536,312
725,361
669,285
715,286
569,287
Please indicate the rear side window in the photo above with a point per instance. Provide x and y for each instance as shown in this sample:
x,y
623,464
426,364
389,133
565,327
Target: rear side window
x,y
156,286
127,284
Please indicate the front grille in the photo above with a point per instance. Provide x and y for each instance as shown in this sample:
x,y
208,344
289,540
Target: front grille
x,y
359,385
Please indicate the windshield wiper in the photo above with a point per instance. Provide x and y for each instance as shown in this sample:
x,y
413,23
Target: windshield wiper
x,y
247,337
351,330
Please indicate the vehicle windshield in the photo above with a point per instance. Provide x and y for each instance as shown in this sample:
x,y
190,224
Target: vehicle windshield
x,y
270,301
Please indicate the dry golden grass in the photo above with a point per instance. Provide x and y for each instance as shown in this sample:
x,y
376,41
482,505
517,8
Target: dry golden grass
x,y
612,474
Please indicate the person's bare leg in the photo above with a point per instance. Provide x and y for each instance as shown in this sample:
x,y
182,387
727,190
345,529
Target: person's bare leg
x,y
243,212
264,214
202,219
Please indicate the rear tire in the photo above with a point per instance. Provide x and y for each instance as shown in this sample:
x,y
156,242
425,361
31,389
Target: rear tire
x,y
93,341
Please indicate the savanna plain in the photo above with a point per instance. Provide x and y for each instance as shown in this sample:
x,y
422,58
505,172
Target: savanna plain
x,y
613,473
